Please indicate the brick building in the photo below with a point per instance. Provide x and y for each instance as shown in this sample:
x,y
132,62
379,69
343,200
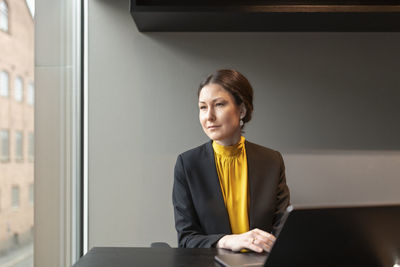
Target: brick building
x,y
16,123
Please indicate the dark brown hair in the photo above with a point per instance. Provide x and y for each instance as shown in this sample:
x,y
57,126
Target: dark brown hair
x,y
237,85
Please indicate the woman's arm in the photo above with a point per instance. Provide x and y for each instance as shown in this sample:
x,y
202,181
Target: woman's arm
x,y
190,232
256,240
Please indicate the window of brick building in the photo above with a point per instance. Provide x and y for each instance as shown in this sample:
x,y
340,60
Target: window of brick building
x,y
19,137
17,127
18,89
4,83
4,145
31,194
31,94
15,196
31,146
3,16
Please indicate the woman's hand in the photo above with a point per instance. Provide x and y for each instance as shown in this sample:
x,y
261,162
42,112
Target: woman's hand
x,y
256,240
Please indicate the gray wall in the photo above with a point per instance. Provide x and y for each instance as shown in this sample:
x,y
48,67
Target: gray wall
x,y
327,101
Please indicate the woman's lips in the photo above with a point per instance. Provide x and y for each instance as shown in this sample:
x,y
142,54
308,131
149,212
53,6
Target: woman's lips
x,y
213,127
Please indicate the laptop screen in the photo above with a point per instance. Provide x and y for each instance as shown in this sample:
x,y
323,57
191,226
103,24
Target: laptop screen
x,y
339,236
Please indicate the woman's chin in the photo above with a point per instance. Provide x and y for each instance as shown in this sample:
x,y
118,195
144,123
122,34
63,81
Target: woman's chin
x,y
213,137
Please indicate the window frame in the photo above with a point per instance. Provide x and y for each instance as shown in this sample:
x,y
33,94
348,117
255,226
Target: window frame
x,y
64,96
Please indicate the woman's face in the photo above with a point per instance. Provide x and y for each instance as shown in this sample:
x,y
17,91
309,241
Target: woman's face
x,y
219,115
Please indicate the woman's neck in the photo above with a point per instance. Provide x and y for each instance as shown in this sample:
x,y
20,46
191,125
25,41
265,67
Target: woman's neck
x,y
230,141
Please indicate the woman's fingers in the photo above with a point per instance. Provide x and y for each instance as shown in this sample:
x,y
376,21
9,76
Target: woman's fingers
x,y
264,234
269,242
261,245
260,232
266,246
251,244
263,239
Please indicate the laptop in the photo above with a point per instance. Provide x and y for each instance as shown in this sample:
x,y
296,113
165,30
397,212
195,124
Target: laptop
x,y
331,236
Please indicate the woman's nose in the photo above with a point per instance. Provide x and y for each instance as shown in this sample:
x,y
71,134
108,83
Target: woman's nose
x,y
210,114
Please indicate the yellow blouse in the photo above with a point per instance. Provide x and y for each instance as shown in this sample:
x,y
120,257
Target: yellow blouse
x,y
231,163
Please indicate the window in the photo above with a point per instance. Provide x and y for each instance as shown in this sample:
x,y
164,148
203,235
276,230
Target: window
x,y
15,196
31,94
31,194
17,126
3,16
19,155
18,89
4,145
4,84
31,146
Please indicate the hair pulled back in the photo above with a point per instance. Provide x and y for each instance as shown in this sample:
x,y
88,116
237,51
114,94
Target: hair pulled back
x,y
237,85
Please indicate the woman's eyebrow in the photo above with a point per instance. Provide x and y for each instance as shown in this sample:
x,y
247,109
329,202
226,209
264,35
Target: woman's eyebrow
x,y
214,100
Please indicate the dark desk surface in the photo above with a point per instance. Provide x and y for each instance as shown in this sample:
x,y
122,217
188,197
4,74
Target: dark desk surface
x,y
149,257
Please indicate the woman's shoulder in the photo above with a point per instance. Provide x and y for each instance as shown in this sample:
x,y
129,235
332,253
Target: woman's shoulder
x,y
262,151
198,151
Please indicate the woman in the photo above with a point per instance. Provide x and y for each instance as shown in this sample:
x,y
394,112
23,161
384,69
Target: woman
x,y
228,193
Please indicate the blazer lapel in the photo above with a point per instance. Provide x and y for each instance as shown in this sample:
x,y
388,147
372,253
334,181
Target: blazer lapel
x,y
213,181
253,176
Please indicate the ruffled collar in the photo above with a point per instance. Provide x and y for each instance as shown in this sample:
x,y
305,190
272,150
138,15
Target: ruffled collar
x,y
229,151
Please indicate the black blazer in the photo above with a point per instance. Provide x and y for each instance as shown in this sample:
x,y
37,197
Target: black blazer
x,y
201,218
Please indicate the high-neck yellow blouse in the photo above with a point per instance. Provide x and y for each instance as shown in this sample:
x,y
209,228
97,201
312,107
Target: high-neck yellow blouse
x,y
231,163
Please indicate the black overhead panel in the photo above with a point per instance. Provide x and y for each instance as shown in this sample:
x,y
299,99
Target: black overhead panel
x,y
264,15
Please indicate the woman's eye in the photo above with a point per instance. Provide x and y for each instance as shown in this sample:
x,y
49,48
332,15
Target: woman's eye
x,y
202,107
220,104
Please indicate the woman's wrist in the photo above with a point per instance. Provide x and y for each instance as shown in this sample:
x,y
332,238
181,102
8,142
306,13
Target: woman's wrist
x,y
222,241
